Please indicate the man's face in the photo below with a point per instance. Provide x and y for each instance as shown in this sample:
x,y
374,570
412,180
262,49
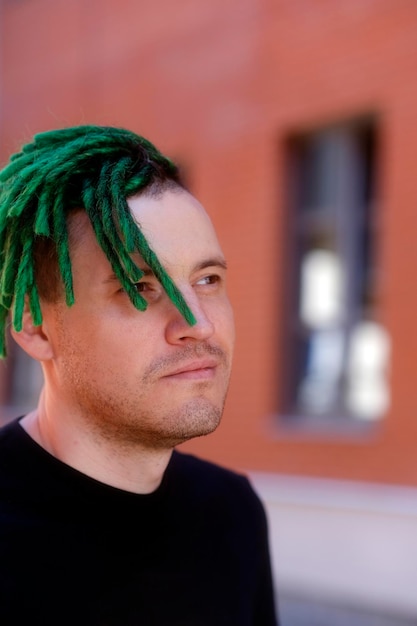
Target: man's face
x,y
145,377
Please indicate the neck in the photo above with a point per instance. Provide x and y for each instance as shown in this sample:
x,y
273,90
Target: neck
x,y
137,469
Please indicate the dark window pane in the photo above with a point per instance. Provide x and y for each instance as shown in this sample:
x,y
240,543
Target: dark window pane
x,y
333,345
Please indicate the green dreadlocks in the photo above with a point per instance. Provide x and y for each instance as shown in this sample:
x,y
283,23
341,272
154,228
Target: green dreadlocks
x,y
93,167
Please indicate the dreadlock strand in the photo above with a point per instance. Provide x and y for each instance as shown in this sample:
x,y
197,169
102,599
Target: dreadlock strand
x,y
22,284
60,234
110,227
26,168
163,277
27,189
14,199
123,221
42,225
13,251
137,300
18,306
4,313
34,305
118,194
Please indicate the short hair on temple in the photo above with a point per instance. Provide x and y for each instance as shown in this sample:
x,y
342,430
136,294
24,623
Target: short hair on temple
x,y
93,168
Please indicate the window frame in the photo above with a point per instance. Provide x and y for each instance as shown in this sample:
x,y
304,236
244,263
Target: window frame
x,y
358,307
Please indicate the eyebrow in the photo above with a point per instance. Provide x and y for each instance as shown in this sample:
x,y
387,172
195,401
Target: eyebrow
x,y
212,262
146,271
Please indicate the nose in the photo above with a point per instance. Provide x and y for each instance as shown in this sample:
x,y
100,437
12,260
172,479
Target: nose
x,y
179,331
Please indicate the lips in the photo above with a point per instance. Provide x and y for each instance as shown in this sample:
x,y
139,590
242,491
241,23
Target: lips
x,y
203,367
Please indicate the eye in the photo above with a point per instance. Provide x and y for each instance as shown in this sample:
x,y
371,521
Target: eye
x,y
142,287
211,279
151,290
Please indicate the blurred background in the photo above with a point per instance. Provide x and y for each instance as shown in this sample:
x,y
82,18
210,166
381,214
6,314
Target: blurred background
x,y
295,123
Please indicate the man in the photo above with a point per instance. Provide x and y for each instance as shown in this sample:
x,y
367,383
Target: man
x,y
117,285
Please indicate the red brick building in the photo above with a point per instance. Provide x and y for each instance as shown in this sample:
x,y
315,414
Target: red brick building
x,y
295,123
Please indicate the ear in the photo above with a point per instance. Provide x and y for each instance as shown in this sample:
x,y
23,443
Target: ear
x,y
33,339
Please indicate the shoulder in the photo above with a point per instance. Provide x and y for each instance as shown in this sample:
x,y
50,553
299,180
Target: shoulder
x,y
11,436
205,472
16,456
214,483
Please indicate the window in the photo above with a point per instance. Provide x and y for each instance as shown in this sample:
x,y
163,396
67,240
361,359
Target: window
x,y
336,351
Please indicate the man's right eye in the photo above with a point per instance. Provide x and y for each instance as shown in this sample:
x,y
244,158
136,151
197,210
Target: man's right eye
x,y
141,287
150,290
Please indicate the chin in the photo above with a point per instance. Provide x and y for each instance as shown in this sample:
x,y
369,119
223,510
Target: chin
x,y
196,420
167,429
203,430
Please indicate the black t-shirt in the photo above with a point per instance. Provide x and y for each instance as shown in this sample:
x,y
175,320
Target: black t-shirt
x,y
76,551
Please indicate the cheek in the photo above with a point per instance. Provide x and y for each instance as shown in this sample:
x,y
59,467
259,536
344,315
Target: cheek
x,y
224,322
81,337
121,342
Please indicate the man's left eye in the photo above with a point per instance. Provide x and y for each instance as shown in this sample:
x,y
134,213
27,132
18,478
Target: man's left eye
x,y
211,279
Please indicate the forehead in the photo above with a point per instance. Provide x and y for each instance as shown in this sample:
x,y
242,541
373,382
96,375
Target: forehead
x,y
174,223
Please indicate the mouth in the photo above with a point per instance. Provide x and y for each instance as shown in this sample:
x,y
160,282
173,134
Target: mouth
x,y
196,370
